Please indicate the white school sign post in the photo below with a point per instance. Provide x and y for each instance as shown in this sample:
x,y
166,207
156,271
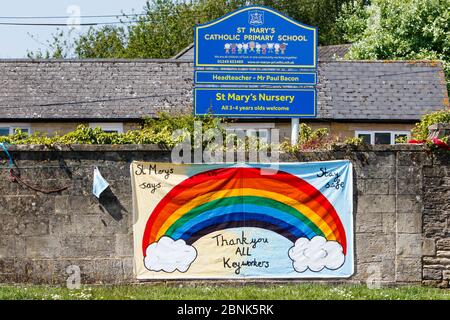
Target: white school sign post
x,y
256,62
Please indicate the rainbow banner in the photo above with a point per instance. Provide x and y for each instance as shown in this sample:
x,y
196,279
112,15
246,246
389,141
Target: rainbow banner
x,y
211,221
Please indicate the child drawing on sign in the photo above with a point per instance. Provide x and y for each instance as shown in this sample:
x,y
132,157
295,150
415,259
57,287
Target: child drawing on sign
x,y
258,48
283,47
264,48
277,48
227,48
270,47
245,47
239,46
233,48
252,46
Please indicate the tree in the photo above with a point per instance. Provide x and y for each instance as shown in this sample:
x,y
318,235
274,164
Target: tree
x,y
399,29
167,27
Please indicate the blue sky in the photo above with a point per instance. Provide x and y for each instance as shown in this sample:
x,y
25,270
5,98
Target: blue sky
x,y
15,40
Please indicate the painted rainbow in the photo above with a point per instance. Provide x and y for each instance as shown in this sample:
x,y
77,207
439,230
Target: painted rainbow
x,y
243,197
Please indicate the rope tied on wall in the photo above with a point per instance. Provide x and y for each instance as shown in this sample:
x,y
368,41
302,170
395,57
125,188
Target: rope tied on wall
x,y
15,176
5,150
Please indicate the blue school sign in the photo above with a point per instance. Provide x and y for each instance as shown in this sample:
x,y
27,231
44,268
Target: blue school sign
x,y
255,103
256,77
258,51
255,37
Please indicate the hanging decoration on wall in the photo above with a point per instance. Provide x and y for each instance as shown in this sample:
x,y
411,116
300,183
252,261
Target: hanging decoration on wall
x,y
15,176
99,183
243,221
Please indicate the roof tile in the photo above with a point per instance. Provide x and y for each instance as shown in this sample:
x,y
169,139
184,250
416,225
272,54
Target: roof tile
x,y
120,89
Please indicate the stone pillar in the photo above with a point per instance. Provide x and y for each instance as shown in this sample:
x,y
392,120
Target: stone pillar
x,y
439,130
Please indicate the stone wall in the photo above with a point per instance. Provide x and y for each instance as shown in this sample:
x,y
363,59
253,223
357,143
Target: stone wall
x,y
401,210
436,221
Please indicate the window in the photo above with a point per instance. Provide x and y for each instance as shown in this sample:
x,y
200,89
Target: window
x,y
9,128
381,137
4,131
401,135
366,137
261,130
112,127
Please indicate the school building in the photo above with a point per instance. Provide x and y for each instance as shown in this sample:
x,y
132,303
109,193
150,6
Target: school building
x,y
376,100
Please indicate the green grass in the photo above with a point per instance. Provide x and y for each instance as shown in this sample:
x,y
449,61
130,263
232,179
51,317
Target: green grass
x,y
234,292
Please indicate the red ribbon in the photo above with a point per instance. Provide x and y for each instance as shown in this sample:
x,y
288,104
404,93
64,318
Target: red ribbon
x,y
441,144
437,142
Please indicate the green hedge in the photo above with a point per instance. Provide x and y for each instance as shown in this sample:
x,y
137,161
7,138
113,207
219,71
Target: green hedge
x,y
154,131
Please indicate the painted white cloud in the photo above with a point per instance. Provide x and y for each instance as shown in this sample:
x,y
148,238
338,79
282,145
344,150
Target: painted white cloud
x,y
169,255
316,254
